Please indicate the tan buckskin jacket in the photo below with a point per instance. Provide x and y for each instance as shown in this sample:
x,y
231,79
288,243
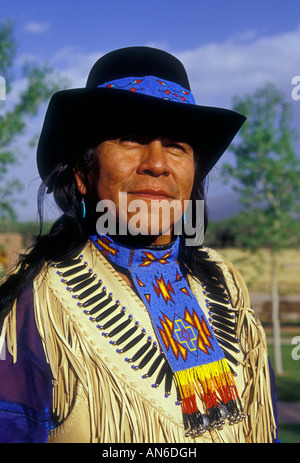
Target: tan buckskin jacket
x,y
99,395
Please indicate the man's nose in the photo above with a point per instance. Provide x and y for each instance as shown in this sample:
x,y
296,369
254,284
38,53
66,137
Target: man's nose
x,y
154,159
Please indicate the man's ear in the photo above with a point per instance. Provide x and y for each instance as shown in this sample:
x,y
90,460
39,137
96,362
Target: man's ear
x,y
80,181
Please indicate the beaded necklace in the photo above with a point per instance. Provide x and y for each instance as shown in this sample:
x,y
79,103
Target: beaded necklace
x,y
190,347
218,393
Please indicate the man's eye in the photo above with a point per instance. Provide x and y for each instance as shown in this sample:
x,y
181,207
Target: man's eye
x,y
176,146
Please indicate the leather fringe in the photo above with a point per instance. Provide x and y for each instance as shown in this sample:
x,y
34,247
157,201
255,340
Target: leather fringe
x,y
9,333
260,424
117,412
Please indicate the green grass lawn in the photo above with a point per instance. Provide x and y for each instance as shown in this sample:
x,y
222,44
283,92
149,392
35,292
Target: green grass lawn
x,y
288,384
288,390
289,434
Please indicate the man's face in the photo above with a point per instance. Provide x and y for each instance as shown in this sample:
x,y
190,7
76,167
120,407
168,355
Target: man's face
x,y
149,171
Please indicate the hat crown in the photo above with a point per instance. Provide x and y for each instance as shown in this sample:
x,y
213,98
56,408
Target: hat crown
x,y
78,119
137,62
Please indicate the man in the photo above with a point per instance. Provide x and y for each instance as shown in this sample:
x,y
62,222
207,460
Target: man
x,y
136,336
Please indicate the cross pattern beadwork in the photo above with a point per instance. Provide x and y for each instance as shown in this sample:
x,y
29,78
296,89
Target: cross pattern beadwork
x,y
185,334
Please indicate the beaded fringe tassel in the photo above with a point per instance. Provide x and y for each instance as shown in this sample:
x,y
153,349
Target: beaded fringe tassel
x,y
215,385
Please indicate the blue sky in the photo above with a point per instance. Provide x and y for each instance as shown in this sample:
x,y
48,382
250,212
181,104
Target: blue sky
x,y
106,24
229,47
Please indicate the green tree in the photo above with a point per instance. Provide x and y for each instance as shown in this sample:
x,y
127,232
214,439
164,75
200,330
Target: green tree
x,y
266,175
40,83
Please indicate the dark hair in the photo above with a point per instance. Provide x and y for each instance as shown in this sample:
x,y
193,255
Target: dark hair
x,y
70,232
65,239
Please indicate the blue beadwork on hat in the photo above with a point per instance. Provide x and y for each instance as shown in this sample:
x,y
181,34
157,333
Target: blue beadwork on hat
x,y
152,86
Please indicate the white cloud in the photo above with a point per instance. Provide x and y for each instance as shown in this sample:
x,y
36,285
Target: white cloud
x,y
36,27
218,71
74,64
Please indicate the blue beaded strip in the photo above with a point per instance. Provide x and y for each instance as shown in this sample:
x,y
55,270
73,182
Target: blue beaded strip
x,y
220,317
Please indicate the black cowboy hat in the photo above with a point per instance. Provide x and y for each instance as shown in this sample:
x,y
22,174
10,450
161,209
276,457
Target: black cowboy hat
x,y
129,91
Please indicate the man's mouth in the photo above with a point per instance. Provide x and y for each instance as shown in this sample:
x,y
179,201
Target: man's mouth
x,y
152,193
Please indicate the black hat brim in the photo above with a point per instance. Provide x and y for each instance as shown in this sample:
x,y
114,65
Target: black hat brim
x,y
79,119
